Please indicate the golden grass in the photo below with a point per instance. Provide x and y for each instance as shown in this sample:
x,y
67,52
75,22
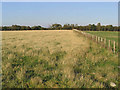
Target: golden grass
x,y
55,59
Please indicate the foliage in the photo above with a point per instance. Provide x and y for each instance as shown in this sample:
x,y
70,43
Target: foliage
x,y
56,26
89,27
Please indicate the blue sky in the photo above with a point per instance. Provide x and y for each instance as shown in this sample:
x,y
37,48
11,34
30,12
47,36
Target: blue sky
x,y
47,13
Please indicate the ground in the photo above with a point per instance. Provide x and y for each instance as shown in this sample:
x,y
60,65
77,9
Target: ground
x,y
57,59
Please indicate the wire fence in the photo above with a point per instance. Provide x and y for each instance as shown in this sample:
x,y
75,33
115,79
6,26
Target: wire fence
x,y
106,43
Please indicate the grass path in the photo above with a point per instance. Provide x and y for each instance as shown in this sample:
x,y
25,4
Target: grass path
x,y
70,59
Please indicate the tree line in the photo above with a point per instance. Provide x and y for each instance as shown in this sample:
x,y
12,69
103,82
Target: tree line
x,y
18,27
90,27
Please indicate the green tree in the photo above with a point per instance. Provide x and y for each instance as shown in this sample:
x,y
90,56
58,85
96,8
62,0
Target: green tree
x,y
115,28
73,26
93,27
56,26
36,28
67,27
89,27
110,28
16,27
98,27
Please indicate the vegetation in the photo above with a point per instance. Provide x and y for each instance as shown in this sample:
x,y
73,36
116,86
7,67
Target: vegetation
x,y
89,27
107,35
18,27
57,59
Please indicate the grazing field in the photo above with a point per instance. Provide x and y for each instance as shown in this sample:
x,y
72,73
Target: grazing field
x,y
106,34
55,59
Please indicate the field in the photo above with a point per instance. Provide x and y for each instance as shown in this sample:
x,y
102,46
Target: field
x,y
108,35
55,59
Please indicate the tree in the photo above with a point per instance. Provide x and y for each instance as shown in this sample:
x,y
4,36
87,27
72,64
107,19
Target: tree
x,y
110,27
0,28
89,27
56,26
4,28
67,26
73,26
23,28
103,28
98,27
16,27
93,27
80,28
119,28
36,28
115,28
28,28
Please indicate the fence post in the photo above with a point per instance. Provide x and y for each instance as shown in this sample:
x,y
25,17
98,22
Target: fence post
x,y
101,39
104,40
114,47
98,39
109,44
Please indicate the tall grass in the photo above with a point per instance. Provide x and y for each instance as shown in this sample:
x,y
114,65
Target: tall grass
x,y
55,59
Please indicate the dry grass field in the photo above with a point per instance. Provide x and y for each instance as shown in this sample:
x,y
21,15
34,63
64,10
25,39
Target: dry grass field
x,y
55,59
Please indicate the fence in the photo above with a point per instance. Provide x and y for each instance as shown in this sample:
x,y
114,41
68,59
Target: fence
x,y
109,44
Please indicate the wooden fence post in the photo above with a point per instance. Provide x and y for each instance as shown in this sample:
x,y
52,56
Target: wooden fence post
x,y
104,40
109,44
114,47
101,39
98,39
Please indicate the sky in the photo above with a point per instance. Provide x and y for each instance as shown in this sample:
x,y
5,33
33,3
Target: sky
x,y
47,13
60,0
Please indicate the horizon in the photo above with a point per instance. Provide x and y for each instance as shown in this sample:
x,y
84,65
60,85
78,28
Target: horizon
x,y
48,13
60,24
